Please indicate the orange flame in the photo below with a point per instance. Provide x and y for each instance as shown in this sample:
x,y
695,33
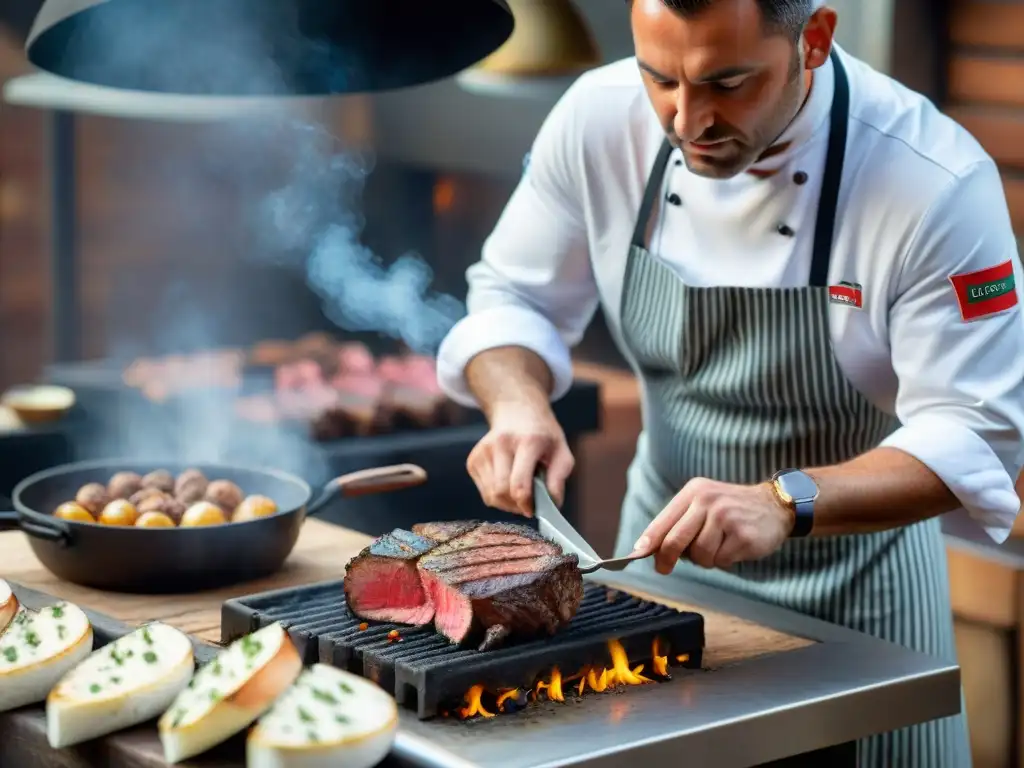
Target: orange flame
x,y
474,704
659,662
552,686
505,697
596,679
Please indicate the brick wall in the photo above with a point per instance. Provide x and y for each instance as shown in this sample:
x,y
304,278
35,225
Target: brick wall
x,y
162,237
985,88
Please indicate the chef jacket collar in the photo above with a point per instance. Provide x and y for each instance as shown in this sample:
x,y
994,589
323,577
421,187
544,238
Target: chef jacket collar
x,y
812,118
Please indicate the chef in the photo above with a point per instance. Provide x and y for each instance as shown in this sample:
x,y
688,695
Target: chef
x,y
812,272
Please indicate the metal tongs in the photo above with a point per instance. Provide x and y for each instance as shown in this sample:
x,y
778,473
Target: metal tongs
x,y
554,526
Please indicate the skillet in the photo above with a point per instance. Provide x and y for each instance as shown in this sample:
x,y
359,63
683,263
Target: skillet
x,y
178,560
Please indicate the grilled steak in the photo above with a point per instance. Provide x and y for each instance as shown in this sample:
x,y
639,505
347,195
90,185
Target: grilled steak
x,y
446,530
383,584
479,582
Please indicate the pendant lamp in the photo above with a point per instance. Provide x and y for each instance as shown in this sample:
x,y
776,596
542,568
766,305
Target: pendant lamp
x,y
550,46
264,47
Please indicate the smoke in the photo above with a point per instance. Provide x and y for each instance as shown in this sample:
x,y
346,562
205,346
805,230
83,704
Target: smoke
x,y
315,216
302,191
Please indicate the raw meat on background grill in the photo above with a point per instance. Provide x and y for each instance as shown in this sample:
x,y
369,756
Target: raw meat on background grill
x,y
476,581
346,392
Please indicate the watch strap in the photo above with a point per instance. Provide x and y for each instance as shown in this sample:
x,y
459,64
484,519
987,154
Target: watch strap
x,y
804,519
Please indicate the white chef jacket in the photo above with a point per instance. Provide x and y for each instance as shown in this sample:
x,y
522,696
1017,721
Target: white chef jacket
x,y
920,202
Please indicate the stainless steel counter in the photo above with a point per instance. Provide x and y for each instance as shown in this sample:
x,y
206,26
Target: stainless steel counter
x,y
843,687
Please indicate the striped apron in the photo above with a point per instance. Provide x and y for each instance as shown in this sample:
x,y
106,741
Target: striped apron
x,y
742,382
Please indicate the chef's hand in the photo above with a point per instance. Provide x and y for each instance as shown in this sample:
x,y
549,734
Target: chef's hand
x,y
504,462
717,525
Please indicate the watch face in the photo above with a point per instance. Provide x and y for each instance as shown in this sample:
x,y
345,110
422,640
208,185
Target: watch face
x,y
798,486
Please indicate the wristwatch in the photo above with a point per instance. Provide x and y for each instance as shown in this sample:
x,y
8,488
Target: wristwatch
x,y
797,491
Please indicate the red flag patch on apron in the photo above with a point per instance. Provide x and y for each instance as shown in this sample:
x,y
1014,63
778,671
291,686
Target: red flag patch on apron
x,y
850,294
985,292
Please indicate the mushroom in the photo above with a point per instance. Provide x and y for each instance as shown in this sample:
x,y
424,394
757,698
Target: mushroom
x,y
165,505
160,479
147,493
225,494
94,497
190,486
124,484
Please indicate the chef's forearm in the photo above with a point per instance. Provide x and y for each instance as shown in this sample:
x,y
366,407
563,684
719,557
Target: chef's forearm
x,y
512,375
882,489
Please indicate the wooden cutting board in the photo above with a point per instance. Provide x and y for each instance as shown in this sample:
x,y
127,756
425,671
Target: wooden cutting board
x,y
319,555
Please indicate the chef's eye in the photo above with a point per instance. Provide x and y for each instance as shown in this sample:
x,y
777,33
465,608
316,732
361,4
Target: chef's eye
x,y
729,85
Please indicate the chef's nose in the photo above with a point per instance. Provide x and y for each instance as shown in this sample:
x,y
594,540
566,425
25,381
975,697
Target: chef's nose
x,y
694,115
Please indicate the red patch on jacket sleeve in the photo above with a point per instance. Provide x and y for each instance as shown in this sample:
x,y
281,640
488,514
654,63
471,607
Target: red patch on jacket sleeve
x,y
985,292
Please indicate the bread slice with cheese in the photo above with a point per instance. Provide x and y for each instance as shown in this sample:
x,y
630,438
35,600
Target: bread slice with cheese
x,y
229,693
38,649
125,683
328,718
8,605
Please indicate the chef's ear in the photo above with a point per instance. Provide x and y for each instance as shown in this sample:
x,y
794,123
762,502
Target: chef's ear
x,y
818,36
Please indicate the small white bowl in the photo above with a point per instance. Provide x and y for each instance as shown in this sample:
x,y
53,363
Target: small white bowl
x,y
38,403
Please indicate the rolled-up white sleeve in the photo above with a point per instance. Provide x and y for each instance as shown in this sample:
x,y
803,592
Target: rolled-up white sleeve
x,y
533,286
961,379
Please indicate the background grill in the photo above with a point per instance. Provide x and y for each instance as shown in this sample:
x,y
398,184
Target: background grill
x,y
427,673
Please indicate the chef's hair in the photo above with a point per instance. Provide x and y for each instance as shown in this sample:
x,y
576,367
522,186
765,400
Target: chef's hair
x,y
786,16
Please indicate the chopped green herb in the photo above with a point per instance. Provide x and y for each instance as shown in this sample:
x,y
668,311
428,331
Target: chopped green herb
x,y
11,654
341,719
311,735
94,688
179,715
118,659
21,618
216,668
32,639
345,688
146,636
61,631
305,717
115,680
57,611
214,696
324,696
251,647
149,657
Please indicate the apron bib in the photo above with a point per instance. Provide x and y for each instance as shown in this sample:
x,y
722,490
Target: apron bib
x,y
742,382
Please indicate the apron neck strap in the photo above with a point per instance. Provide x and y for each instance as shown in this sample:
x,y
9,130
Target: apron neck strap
x,y
651,194
825,224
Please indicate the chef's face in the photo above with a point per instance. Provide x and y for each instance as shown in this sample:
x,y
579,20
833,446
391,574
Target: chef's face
x,y
724,84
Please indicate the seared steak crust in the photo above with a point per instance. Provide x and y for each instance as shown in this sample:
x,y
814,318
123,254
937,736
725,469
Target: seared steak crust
x,y
479,582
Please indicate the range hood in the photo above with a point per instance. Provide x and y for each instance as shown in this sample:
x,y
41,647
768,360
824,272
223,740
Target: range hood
x,y
265,47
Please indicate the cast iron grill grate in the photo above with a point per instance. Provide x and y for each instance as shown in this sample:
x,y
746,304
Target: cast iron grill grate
x,y
426,672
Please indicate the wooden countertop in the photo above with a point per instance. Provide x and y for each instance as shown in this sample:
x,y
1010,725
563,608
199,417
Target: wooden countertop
x,y
319,555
